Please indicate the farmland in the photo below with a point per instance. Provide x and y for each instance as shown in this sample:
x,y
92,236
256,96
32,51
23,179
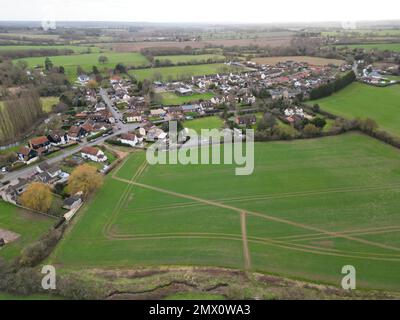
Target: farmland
x,y
175,73
28,225
360,100
311,60
190,58
76,49
309,209
169,98
375,46
87,61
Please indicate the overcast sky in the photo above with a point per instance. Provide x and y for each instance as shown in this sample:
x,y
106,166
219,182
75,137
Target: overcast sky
x,y
249,11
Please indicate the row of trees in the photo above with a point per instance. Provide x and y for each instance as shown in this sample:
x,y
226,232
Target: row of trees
x,y
332,87
18,115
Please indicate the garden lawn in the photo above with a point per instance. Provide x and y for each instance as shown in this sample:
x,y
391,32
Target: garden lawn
x,y
213,122
169,98
30,226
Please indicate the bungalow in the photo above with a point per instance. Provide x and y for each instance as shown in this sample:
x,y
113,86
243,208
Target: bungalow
x,y
183,91
27,155
39,142
191,108
246,120
129,139
155,134
94,154
72,202
52,170
133,116
14,190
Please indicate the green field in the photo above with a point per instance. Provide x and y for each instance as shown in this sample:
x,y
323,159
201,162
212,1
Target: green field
x,y
174,73
190,58
373,46
76,49
204,123
170,98
30,226
48,103
310,208
364,101
87,61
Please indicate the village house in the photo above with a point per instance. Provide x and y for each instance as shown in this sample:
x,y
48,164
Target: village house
x,y
57,137
133,116
155,134
76,133
93,154
15,189
246,120
157,112
39,142
129,139
27,155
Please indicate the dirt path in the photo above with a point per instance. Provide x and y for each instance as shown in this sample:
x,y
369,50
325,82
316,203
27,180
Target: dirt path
x,y
261,215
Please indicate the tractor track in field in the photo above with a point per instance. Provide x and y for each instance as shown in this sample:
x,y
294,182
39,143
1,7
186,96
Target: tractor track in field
x,y
274,196
260,215
264,241
123,198
359,233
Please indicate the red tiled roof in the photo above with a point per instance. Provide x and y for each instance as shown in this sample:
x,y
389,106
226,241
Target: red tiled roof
x,y
90,150
39,140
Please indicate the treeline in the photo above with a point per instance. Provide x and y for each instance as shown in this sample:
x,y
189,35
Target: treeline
x,y
42,52
332,87
18,115
170,51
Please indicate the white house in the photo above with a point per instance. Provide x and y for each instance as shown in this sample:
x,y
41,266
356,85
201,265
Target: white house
x,y
133,117
94,154
129,139
157,112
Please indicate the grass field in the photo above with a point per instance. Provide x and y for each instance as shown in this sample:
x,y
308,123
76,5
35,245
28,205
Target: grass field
x,y
311,60
87,61
76,49
204,123
373,46
170,98
310,208
174,73
360,100
48,103
188,58
29,226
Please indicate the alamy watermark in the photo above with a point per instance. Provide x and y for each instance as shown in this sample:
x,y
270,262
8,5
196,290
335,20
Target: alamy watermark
x,y
349,280
187,147
49,280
